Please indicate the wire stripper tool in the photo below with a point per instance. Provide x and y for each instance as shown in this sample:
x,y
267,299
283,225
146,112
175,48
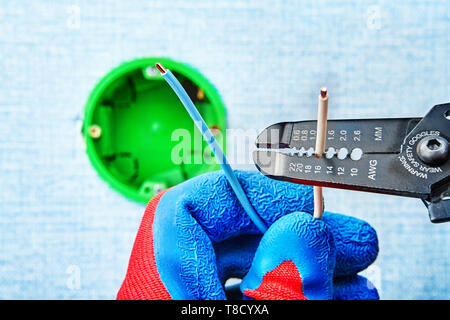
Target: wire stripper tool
x,y
398,156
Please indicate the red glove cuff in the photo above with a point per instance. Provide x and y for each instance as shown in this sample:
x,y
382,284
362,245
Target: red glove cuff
x,y
142,281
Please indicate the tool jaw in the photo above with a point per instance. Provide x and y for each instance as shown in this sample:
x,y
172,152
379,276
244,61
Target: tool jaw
x,y
370,155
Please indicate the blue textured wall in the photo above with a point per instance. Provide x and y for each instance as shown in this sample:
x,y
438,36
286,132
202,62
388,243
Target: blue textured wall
x,y
58,219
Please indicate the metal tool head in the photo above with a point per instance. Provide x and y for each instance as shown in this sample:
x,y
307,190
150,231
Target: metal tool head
x,y
401,156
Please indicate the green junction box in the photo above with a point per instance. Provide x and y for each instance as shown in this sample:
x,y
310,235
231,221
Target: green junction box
x,y
129,121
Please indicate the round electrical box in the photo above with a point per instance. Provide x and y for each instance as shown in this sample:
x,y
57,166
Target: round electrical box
x,y
139,137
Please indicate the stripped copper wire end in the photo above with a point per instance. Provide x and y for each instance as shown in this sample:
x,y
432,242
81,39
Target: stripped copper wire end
x,y
160,67
323,92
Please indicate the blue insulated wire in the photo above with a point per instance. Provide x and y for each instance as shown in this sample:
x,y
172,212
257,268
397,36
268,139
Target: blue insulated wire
x,y
209,137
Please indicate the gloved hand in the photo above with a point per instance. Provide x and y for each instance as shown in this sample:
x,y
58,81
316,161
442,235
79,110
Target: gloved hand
x,y
195,236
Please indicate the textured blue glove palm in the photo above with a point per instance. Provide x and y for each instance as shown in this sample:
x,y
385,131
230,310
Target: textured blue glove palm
x,y
202,237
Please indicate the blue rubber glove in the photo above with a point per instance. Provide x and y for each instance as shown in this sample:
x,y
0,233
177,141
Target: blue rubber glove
x,y
196,235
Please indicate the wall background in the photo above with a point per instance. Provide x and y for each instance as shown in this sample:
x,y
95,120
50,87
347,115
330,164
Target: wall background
x,y
58,219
